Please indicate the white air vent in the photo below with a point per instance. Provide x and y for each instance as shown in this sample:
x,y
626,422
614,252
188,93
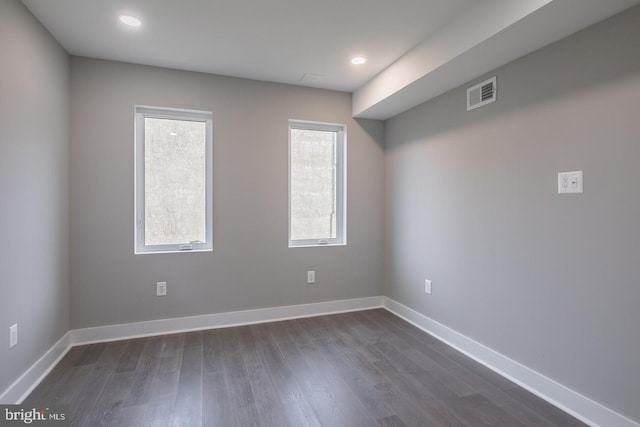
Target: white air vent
x,y
481,94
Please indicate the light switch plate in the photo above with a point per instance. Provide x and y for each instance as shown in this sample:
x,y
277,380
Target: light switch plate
x,y
570,182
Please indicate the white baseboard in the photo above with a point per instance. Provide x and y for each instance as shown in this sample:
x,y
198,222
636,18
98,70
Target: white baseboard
x,y
572,402
219,320
25,384
30,379
557,394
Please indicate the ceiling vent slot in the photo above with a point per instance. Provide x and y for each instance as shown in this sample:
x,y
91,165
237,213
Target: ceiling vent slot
x,y
481,94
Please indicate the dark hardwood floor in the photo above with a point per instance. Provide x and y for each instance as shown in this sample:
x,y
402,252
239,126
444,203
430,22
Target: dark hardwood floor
x,y
367,368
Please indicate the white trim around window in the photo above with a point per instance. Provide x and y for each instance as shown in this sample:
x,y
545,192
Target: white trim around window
x,y
339,210
141,243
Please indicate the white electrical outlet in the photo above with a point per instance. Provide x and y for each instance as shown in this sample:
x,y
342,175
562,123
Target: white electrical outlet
x,y
13,335
161,289
311,276
570,182
427,286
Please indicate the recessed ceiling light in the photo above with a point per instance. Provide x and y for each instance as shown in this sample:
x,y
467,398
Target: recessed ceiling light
x,y
358,60
132,21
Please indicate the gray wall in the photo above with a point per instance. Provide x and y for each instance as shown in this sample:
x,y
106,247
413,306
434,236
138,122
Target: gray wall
x,y
552,281
251,265
34,123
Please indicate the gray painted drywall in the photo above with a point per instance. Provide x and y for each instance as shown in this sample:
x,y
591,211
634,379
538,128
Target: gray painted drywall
x,y
251,265
552,281
34,204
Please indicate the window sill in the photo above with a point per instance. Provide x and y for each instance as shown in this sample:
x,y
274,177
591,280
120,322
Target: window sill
x,y
316,245
173,252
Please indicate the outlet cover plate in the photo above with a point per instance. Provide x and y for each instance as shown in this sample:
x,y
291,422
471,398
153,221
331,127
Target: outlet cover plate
x,y
161,289
570,182
427,286
13,335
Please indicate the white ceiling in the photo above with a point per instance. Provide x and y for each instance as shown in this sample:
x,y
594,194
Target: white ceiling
x,y
272,40
416,49
476,42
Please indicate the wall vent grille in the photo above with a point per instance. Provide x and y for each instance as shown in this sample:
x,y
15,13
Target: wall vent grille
x,y
481,94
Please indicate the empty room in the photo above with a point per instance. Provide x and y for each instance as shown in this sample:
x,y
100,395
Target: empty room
x,y
336,213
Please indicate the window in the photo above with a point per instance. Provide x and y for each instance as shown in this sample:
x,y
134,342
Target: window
x,y
316,184
173,189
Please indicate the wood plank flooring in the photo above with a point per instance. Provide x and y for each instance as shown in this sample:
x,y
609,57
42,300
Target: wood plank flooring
x,y
367,368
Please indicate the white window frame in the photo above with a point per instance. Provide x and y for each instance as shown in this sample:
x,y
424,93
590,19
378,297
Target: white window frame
x,y
141,112
341,182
